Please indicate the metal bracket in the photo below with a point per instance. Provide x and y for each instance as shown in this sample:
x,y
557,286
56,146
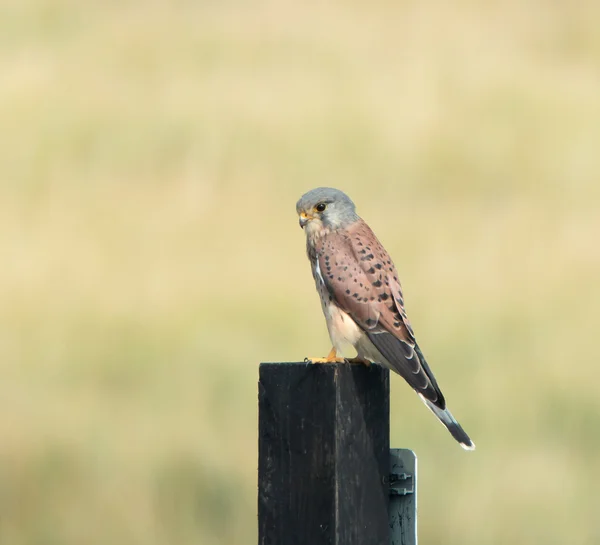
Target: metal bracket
x,y
403,497
401,484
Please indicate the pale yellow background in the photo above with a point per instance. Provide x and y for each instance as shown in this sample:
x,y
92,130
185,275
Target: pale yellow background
x,y
151,154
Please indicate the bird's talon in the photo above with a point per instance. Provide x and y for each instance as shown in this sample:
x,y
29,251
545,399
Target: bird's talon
x,y
332,357
324,360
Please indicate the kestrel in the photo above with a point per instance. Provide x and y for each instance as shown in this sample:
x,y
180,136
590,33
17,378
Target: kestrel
x,y
362,299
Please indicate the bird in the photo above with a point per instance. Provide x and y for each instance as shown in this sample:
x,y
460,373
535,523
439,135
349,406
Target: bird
x,y
362,299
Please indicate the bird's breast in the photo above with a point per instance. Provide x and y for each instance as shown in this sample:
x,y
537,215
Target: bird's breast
x,y
343,330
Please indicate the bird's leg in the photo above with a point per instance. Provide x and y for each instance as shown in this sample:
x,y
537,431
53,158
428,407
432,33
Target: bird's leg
x,y
330,358
358,359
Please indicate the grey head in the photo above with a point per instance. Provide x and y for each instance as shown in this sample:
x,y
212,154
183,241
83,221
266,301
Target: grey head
x,y
326,207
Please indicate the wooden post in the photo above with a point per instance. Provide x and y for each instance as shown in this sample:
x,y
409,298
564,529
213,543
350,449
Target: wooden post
x,y
324,458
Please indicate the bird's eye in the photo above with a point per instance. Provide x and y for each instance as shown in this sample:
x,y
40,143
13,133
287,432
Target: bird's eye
x,y
320,207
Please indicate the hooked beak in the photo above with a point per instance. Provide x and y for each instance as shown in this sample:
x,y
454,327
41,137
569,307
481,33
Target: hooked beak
x,y
303,220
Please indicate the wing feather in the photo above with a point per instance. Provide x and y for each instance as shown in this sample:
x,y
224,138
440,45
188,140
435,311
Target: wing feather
x,y
363,280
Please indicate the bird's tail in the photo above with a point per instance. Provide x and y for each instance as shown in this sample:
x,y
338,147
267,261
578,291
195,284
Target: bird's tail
x,y
455,429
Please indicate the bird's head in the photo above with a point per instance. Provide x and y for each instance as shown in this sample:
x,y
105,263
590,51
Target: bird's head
x,y
325,208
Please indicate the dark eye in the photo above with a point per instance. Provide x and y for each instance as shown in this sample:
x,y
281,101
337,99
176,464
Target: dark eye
x,y
320,207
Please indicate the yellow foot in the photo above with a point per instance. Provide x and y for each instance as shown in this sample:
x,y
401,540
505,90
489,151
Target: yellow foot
x,y
359,360
324,360
331,358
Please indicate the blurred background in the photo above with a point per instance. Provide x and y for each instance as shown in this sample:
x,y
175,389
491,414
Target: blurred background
x,y
151,155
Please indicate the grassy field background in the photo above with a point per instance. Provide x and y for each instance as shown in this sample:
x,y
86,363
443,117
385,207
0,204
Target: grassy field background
x,y
151,154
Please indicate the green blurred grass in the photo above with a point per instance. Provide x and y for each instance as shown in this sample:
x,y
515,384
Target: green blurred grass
x,y
151,156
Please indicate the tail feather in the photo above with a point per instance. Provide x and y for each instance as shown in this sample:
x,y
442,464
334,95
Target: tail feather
x,y
455,429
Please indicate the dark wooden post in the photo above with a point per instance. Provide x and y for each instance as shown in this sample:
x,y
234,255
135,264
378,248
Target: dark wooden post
x,y
324,454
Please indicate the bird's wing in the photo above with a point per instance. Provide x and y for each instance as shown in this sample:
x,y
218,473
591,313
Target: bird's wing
x,y
362,280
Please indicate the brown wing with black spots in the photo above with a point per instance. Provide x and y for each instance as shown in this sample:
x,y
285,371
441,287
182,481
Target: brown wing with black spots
x,y
363,281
